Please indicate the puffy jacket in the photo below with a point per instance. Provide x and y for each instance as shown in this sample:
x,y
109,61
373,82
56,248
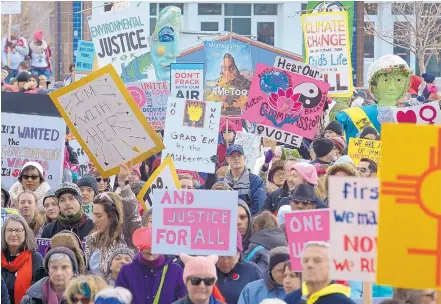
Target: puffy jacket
x,y
261,242
34,295
276,199
5,294
257,291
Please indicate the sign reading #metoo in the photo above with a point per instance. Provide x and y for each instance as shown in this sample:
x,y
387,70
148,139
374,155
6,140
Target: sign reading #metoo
x,y
196,222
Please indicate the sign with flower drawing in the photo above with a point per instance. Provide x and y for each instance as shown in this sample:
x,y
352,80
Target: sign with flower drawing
x,y
286,101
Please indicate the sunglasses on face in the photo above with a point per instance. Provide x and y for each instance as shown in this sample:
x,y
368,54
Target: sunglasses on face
x,y
197,281
27,177
99,179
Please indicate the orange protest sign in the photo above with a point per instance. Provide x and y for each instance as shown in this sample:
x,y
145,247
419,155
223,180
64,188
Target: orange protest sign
x,y
409,229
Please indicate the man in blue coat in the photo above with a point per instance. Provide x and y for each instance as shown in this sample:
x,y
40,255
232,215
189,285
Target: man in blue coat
x,y
317,287
250,187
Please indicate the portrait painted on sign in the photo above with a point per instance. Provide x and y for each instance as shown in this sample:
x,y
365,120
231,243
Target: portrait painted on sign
x,y
194,114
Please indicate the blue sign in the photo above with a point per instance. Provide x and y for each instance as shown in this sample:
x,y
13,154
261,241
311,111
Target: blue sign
x,y
85,56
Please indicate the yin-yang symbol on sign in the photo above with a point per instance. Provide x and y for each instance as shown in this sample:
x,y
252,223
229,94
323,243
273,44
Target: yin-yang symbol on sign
x,y
310,94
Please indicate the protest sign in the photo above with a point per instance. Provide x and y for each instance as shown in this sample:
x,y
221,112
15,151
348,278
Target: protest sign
x,y
78,76
364,148
304,226
32,138
106,121
286,101
85,56
278,135
298,67
251,147
164,177
237,121
121,39
151,98
327,45
187,80
229,70
409,232
353,203
5,212
83,160
191,133
424,114
43,245
197,222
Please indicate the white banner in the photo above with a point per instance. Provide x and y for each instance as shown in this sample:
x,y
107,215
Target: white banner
x,y
278,135
251,147
424,114
298,67
32,138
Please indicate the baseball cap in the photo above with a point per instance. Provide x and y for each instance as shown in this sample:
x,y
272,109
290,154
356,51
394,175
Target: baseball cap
x,y
234,148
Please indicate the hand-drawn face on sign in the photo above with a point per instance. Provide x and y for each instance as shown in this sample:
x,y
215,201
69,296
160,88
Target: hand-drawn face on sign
x,y
194,114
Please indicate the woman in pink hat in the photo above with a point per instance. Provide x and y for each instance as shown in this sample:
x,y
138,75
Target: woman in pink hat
x,y
40,53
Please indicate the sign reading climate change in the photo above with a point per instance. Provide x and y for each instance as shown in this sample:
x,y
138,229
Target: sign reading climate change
x,y
327,45
119,38
229,70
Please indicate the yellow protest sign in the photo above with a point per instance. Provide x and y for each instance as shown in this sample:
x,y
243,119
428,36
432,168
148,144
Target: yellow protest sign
x,y
409,229
364,148
164,177
106,121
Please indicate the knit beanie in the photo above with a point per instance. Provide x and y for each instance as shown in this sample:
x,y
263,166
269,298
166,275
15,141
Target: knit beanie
x,y
428,78
335,126
38,35
142,238
61,250
71,188
89,181
50,193
322,147
368,130
199,266
306,171
35,165
23,77
113,295
339,143
278,255
122,250
68,239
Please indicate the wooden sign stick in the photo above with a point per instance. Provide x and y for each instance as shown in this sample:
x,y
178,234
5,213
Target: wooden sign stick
x,y
10,40
438,297
367,293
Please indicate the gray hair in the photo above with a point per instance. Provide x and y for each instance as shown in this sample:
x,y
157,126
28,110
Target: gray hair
x,y
120,293
59,256
30,241
317,244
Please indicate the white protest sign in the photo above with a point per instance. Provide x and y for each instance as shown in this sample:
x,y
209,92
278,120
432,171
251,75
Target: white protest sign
x,y
11,7
354,212
78,76
424,114
298,67
32,138
196,222
106,121
278,135
164,177
120,38
191,133
187,80
251,147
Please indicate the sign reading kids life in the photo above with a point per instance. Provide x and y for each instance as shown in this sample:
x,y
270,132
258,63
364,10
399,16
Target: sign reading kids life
x,y
286,101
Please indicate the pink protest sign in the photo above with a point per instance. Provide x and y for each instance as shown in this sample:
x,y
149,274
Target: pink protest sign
x,y
237,121
302,227
195,222
286,101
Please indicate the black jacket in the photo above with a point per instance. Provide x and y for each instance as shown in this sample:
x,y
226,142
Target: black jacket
x,y
5,293
9,277
53,228
277,199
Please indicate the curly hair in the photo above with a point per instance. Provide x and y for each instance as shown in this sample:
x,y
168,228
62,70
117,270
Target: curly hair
x,y
87,286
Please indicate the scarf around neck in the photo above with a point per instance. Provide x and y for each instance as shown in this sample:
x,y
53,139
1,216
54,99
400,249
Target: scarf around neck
x,y
76,221
242,185
50,296
22,266
150,264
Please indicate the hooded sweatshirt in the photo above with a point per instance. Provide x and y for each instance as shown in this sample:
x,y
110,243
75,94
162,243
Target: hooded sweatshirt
x,y
257,291
331,294
247,236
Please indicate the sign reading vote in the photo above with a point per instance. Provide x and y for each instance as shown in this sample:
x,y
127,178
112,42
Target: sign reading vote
x,y
353,203
106,121
197,222
304,226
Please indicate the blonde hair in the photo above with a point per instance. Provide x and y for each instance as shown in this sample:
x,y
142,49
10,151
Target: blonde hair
x,y
221,186
39,220
88,286
265,220
146,216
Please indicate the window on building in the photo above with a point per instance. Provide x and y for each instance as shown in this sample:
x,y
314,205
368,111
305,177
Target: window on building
x,y
237,9
303,8
108,6
371,8
153,9
265,9
265,32
164,5
403,8
210,9
152,25
434,64
369,42
209,26
431,9
241,26
401,40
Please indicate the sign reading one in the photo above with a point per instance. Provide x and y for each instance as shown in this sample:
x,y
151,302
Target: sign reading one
x,y
197,222
187,80
106,121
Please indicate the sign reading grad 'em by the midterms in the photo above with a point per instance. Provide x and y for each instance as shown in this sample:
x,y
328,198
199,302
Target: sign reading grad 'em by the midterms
x,y
196,222
119,38
353,203
187,80
191,133
106,121
327,45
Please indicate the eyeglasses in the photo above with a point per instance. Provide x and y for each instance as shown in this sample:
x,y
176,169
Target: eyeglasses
x,y
280,174
363,170
33,177
83,299
197,281
16,230
99,179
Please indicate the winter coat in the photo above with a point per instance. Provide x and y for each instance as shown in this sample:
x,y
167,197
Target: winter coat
x,y
40,56
5,294
331,294
144,282
53,228
17,54
131,222
9,277
276,199
232,284
34,295
261,242
40,192
257,291
247,236
186,300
